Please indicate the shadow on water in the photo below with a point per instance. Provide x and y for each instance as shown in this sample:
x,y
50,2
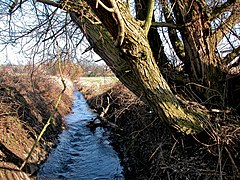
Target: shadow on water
x,y
82,154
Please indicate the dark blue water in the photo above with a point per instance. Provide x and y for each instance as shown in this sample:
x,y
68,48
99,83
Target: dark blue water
x,y
82,154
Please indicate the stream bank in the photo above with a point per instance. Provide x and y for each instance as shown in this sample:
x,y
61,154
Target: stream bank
x,y
26,104
150,150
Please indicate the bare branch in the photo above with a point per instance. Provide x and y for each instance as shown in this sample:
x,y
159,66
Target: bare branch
x,y
175,41
59,32
226,26
14,4
228,5
104,6
50,2
121,26
149,17
165,24
231,56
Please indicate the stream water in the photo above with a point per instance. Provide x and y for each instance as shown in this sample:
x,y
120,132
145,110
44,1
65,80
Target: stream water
x,y
82,154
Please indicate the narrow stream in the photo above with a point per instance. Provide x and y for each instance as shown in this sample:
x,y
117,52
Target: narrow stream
x,y
82,154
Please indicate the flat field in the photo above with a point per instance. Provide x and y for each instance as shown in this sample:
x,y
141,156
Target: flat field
x,y
93,86
97,81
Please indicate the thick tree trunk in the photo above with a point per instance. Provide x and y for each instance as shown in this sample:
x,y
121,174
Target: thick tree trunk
x,y
134,65
202,64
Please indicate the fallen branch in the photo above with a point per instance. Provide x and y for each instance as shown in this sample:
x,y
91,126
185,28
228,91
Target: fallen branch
x,y
103,121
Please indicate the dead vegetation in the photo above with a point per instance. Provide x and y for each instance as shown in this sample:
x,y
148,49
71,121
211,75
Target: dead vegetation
x,y
151,150
26,104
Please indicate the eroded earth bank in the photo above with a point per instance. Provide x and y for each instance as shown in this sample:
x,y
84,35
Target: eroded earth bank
x,y
26,104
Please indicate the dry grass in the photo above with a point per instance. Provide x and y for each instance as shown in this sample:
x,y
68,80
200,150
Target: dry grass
x,y
150,150
26,104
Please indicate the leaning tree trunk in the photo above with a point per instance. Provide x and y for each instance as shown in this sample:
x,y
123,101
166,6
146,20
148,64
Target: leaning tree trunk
x,y
134,65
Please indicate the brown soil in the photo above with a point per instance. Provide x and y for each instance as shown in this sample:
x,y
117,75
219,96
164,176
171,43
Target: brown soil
x,y
150,150
26,104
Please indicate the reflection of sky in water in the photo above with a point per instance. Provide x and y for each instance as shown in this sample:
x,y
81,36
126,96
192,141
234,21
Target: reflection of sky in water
x,y
82,154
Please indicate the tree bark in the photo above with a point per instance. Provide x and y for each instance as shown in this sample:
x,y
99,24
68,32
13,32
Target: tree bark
x,y
134,65
202,64
153,35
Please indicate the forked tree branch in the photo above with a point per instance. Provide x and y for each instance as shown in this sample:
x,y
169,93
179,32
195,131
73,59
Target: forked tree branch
x,y
114,18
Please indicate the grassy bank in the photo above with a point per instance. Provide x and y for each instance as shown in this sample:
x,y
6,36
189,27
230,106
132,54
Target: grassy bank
x,y
150,150
26,105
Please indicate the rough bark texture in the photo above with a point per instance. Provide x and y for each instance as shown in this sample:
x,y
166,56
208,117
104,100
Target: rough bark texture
x,y
134,64
132,60
153,35
205,68
196,47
